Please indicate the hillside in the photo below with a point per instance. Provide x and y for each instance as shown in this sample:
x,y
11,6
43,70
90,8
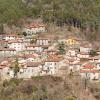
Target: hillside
x,y
84,14
75,10
68,27
44,88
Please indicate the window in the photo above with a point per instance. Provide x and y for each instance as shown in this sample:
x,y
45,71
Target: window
x,y
28,70
32,70
94,73
24,70
49,63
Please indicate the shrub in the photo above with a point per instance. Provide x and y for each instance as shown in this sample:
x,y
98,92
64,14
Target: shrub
x,y
56,78
34,88
93,53
5,83
8,91
24,33
70,98
43,87
37,77
27,88
15,81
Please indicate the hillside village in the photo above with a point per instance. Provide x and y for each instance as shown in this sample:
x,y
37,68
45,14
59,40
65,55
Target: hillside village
x,y
32,54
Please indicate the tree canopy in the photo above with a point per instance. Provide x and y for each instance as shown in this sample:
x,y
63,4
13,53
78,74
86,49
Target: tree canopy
x,y
79,13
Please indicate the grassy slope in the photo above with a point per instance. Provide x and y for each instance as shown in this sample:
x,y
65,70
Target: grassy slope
x,y
45,88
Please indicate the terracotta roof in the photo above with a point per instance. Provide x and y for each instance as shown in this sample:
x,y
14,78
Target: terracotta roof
x,y
89,71
43,38
80,63
3,41
52,50
9,59
86,45
38,46
88,66
14,35
96,57
84,53
30,45
33,64
27,56
97,62
14,41
73,37
71,59
34,46
54,58
45,46
7,49
4,64
34,25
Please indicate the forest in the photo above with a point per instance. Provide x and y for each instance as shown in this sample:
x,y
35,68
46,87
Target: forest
x,y
84,14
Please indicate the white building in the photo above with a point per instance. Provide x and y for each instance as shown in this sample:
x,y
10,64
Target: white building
x,y
98,65
29,70
95,58
77,66
52,51
34,28
3,44
72,52
83,55
8,36
43,41
90,71
5,72
36,48
86,49
52,65
7,52
17,45
29,57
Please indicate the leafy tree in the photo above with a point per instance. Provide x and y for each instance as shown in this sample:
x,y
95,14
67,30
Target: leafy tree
x,y
15,67
1,28
34,39
70,98
24,33
61,48
93,53
84,14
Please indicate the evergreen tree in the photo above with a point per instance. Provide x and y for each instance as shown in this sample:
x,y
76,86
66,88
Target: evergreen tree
x,y
15,67
61,48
